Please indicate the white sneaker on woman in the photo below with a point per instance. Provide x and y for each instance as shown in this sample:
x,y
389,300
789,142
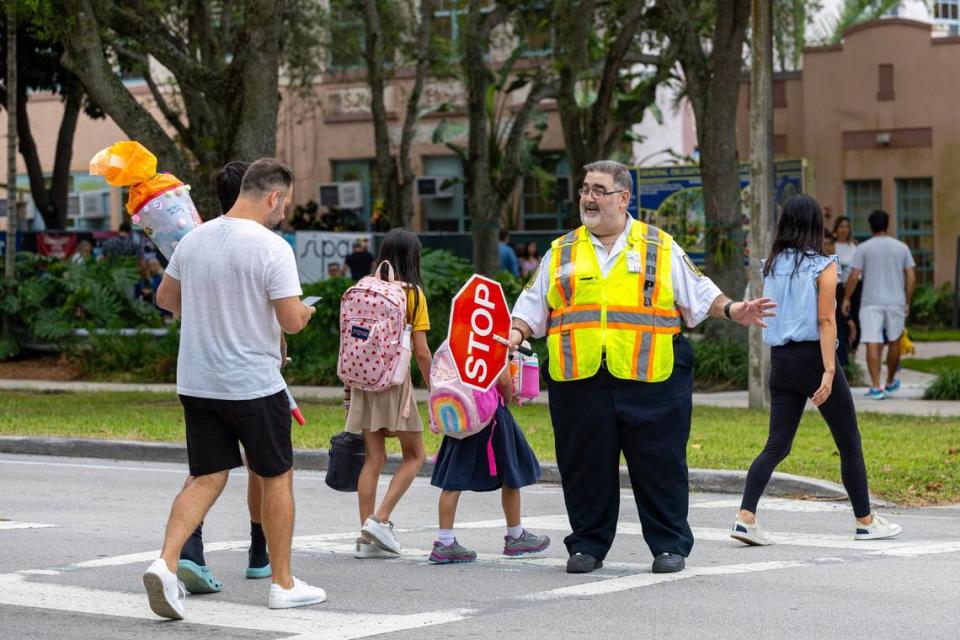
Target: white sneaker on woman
x,y
381,534
879,529
299,595
750,534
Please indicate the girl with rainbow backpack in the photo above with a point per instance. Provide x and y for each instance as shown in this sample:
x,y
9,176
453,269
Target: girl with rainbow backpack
x,y
483,449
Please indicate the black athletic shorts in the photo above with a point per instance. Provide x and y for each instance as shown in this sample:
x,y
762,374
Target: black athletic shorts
x,y
215,427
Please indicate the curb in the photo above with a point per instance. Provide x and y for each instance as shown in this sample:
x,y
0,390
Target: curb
x,y
701,480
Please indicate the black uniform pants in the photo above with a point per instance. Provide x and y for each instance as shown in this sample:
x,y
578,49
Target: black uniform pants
x,y
597,418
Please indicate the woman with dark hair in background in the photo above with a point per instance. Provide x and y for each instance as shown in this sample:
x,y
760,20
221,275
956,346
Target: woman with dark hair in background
x,y
802,280
529,261
848,326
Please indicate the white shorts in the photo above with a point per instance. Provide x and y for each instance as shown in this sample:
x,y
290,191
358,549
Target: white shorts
x,y
881,323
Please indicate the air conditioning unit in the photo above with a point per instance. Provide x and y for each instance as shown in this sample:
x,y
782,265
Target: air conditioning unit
x,y
73,205
93,204
564,189
437,187
342,195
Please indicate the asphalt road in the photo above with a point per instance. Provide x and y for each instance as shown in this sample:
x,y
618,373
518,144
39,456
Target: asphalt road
x,y
79,575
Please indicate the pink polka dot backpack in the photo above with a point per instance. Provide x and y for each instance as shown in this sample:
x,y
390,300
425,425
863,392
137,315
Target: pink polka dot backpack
x,y
374,333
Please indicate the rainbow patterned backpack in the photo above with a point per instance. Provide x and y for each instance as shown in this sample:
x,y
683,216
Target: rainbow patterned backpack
x,y
456,410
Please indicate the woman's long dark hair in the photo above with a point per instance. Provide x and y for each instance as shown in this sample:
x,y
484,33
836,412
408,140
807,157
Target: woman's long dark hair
x,y
401,248
800,229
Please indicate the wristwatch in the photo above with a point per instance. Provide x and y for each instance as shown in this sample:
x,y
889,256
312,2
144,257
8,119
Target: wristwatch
x,y
726,309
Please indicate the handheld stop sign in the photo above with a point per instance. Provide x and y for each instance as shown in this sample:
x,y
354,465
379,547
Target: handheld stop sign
x,y
479,332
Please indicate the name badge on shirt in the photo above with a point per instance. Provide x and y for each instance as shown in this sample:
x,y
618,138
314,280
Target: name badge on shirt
x,y
633,261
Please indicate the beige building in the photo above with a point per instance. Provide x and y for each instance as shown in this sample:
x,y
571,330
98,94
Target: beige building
x,y
875,117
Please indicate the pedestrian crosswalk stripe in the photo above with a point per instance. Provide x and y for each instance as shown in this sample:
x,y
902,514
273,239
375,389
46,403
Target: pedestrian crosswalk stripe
x,y
6,525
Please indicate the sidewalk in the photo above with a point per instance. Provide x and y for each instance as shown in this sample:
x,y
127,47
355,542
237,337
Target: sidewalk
x,y
908,400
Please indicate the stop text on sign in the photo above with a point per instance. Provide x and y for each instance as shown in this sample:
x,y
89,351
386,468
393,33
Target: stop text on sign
x,y
479,326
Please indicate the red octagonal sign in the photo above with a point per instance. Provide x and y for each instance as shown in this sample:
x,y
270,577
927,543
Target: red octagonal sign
x,y
479,331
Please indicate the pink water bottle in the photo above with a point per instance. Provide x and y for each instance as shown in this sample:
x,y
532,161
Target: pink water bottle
x,y
529,378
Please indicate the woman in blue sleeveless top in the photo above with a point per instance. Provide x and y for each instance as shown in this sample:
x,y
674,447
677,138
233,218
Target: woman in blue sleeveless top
x,y
802,280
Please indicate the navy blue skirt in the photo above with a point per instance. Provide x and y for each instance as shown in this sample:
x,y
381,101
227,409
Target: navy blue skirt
x,y
465,464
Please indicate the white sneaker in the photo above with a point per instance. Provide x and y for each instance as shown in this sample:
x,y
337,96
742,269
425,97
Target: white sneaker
x,y
879,529
164,592
299,595
381,535
750,534
365,549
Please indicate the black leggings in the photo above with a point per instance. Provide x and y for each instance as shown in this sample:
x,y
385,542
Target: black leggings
x,y
796,369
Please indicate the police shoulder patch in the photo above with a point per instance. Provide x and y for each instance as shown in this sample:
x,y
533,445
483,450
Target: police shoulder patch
x,y
693,268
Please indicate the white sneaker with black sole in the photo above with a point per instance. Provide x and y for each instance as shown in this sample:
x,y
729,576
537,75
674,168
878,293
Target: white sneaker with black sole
x,y
381,534
299,595
366,549
164,592
879,529
750,534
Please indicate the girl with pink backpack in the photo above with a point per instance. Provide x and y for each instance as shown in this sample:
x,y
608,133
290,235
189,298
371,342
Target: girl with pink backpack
x,y
479,452
382,319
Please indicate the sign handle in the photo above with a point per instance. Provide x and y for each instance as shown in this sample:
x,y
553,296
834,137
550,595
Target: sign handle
x,y
522,349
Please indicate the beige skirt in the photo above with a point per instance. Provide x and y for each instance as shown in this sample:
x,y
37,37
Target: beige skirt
x,y
376,410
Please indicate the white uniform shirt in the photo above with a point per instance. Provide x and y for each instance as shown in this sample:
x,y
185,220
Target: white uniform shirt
x,y
693,292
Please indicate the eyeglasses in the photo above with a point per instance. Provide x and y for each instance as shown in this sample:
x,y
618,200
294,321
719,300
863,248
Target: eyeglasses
x,y
598,194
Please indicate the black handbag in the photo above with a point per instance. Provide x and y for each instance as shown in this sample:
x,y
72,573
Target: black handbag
x,y
347,454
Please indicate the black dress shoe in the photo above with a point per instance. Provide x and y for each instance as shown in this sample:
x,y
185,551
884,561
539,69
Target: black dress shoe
x,y
583,563
668,563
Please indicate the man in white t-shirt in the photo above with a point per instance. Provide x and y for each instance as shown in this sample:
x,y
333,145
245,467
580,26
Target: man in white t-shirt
x,y
887,267
235,284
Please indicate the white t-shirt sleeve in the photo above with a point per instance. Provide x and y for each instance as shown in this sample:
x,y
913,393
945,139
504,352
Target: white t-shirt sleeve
x,y
693,292
857,261
908,261
531,306
173,267
283,281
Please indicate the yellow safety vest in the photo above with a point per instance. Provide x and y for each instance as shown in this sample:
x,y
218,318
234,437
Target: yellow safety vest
x,y
627,317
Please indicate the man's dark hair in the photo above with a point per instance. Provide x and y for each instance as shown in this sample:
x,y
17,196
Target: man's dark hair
x,y
879,221
504,234
125,227
227,181
266,175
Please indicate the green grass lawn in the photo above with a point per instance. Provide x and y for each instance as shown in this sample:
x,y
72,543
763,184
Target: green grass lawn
x,y
934,335
910,460
938,365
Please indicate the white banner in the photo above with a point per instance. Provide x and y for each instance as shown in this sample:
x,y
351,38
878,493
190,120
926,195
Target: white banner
x,y
318,250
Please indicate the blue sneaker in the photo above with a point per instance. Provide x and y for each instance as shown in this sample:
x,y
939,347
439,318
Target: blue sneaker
x,y
875,394
255,573
196,578
893,386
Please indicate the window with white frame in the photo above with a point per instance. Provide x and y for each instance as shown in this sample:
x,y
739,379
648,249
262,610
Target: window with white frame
x,y
947,13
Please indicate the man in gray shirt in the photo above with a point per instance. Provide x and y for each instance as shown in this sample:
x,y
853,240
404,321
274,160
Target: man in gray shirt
x,y
888,280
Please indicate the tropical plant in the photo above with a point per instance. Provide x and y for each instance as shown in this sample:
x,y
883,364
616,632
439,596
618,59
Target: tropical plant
x,y
52,298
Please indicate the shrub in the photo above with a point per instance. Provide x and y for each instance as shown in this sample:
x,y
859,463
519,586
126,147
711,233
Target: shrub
x,y
314,350
720,364
932,307
137,358
945,387
854,373
52,298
